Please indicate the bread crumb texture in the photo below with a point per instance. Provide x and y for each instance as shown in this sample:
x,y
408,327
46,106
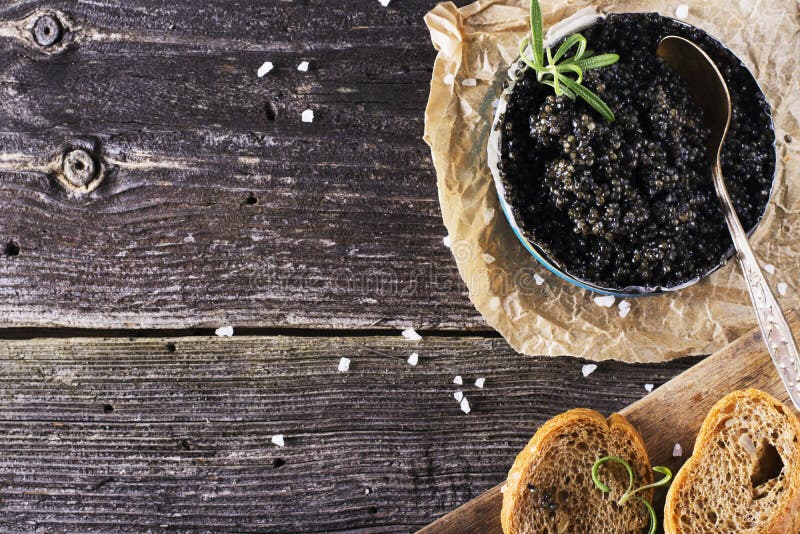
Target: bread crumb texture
x,y
744,476
550,488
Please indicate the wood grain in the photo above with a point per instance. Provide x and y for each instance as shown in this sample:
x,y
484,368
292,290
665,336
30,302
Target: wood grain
x,y
672,414
113,435
219,204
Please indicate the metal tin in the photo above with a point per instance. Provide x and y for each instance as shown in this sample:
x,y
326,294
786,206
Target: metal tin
x,y
573,24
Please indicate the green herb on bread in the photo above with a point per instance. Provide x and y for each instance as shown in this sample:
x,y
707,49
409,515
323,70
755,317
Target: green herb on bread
x,y
630,493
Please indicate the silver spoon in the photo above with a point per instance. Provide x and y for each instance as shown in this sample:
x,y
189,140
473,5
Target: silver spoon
x,y
711,93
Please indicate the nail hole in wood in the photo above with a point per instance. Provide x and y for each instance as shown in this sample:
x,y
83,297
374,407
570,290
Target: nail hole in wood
x,y
372,510
251,200
47,30
270,111
107,408
171,347
278,462
11,249
79,167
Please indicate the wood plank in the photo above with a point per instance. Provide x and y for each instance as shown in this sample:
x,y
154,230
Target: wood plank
x,y
219,204
672,414
113,435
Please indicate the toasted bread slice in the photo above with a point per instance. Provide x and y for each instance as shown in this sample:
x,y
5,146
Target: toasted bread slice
x,y
744,474
550,488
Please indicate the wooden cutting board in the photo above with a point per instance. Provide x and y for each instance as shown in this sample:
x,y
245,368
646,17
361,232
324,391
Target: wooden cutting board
x,y
671,414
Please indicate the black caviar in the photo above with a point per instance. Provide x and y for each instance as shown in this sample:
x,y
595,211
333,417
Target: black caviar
x,y
631,203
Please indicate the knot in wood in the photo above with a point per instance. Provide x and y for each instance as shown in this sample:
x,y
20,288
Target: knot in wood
x,y
79,167
47,30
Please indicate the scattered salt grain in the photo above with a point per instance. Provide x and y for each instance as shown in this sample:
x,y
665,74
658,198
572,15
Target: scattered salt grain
x,y
344,365
588,369
413,359
606,301
277,439
384,3
224,331
411,334
782,288
488,215
469,82
682,11
465,405
648,387
449,79
677,450
446,241
480,382
624,312
624,308
458,380
488,258
769,268
308,116
303,66
264,69
538,279
458,395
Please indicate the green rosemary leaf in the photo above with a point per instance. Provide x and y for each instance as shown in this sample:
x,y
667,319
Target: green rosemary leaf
x,y
571,67
537,34
569,42
564,90
522,49
590,98
594,62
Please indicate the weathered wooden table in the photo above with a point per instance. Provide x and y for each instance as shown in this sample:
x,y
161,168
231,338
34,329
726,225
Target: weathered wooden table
x,y
153,188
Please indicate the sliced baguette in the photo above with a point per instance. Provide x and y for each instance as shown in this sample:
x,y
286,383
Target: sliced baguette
x,y
744,474
550,488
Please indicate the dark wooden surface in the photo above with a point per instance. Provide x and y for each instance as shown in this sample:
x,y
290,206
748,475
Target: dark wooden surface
x,y
219,206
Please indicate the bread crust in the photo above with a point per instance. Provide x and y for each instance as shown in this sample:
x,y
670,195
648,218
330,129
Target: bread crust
x,y
787,520
546,433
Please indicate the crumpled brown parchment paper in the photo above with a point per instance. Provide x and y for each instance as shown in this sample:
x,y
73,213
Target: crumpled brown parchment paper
x,y
534,310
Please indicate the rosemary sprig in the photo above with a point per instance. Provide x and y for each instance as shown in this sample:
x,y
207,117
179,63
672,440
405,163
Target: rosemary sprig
x,y
556,74
630,493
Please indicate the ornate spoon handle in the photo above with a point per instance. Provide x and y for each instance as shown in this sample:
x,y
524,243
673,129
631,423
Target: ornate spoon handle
x,y
774,328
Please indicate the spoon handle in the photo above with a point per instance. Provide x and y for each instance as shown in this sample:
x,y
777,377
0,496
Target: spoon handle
x,y
774,328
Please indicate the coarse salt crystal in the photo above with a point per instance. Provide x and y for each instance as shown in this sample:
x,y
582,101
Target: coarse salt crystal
x,y
303,66
308,116
224,331
344,365
488,215
488,258
449,79
606,301
465,405
538,279
411,334
278,440
782,288
384,3
264,69
480,382
446,241
588,369
624,308
677,450
458,395
623,312
648,387
458,380
469,82
769,268
682,11
413,359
